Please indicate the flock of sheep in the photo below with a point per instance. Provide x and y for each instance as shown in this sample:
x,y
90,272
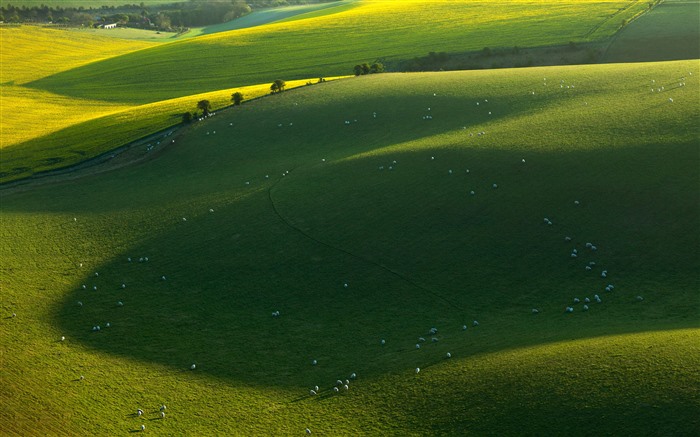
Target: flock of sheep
x,y
587,250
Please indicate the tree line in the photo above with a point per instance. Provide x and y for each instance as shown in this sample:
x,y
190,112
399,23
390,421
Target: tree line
x,y
167,17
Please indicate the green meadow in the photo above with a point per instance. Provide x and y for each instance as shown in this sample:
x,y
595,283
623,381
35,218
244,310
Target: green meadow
x,y
278,204
488,252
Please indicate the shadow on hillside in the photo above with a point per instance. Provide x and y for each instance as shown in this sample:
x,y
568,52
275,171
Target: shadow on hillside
x,y
207,293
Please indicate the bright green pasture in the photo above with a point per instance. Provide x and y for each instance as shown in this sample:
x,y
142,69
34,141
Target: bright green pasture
x,y
331,44
300,207
670,31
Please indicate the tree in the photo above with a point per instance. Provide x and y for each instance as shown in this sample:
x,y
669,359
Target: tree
x,y
376,68
357,69
187,117
205,106
237,98
278,86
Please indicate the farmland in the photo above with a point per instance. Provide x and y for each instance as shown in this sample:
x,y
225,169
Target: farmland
x,y
415,248
487,252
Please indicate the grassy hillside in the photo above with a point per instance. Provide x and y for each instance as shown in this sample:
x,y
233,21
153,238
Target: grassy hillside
x,y
331,44
669,32
277,205
61,132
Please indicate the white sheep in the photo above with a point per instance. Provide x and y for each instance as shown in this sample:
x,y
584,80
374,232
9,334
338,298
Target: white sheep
x,y
434,339
475,323
143,428
139,412
567,238
576,300
120,303
308,431
587,300
123,285
640,298
346,387
383,342
79,304
314,362
63,338
162,414
163,408
464,327
84,286
494,186
94,287
162,278
312,392
353,375
535,311
417,346
335,389
448,355
417,369
421,339
569,310
585,307
193,366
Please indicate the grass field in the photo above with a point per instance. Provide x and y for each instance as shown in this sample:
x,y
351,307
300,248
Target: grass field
x,y
286,203
310,48
79,87
62,132
669,32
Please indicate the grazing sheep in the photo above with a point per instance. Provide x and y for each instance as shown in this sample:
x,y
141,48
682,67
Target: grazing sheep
x,y
417,346
604,274
193,366
585,307
139,412
316,388
162,414
421,339
335,389
162,278
163,408
587,300
314,362
494,186
588,267
339,382
576,202
383,342
594,248
312,392
346,387
448,355
143,428
63,338
417,369
120,303
535,311
576,300
567,238
308,431
345,285
79,304
123,285
640,298
82,377
569,310
353,375
464,327
434,339
211,210
433,330
94,287
475,323
471,192
84,286
97,274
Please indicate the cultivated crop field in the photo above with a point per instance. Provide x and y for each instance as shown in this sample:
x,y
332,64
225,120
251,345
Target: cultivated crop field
x,y
348,208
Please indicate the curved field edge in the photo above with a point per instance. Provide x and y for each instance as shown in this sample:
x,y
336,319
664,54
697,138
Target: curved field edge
x,y
106,134
332,44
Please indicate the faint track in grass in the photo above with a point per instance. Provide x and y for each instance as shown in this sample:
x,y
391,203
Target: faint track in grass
x,y
381,266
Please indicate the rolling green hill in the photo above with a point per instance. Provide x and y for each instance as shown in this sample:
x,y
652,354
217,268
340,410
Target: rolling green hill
x,y
331,44
347,208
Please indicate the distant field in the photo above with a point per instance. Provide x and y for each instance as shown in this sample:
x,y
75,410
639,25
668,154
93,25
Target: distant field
x,y
331,44
278,204
670,31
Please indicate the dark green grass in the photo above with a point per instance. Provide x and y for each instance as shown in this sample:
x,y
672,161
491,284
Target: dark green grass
x,y
414,247
669,32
